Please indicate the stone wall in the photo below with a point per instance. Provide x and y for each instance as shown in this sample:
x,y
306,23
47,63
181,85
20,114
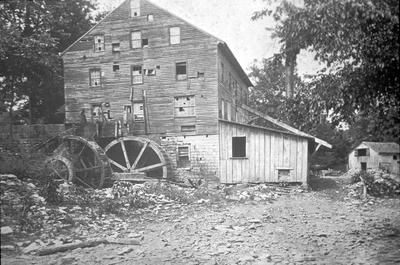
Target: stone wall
x,y
26,136
203,155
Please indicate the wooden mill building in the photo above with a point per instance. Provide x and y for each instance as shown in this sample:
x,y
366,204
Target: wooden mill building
x,y
145,72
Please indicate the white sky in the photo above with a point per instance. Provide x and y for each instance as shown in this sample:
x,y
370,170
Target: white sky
x,y
230,20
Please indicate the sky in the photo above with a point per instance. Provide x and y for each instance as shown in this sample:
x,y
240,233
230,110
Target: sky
x,y
230,21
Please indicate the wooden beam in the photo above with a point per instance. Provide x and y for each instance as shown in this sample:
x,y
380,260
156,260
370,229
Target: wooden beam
x,y
117,165
128,165
139,156
149,168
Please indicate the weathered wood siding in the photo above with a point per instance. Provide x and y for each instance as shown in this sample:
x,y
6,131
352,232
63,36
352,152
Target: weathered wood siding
x,y
231,96
266,153
197,49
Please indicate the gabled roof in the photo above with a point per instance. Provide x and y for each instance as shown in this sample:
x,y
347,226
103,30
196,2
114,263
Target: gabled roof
x,y
221,44
379,147
286,127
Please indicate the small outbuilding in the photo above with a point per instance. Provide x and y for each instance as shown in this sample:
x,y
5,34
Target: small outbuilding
x,y
376,155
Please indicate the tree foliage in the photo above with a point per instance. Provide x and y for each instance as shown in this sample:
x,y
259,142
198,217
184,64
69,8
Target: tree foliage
x,y
358,40
32,33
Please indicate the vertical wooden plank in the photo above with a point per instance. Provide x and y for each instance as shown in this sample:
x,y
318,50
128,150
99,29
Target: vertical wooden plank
x,y
304,160
286,151
262,156
228,135
273,157
245,173
258,155
252,157
299,159
222,160
293,161
267,158
260,159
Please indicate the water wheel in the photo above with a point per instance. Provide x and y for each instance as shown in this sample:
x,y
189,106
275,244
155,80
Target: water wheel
x,y
137,157
80,161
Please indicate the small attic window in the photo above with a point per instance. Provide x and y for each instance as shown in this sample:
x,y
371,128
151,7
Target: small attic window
x,y
99,43
174,35
150,18
115,67
135,8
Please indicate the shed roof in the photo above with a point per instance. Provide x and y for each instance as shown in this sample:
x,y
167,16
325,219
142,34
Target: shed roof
x,y
388,147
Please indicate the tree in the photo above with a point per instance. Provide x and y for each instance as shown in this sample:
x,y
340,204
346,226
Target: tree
x,y
358,41
32,33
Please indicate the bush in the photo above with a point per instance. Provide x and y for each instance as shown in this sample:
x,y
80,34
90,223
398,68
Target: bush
x,y
378,183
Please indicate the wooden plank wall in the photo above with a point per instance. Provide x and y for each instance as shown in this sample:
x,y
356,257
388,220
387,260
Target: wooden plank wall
x,y
266,152
197,49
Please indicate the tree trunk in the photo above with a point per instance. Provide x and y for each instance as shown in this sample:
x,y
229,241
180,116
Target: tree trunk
x,y
290,63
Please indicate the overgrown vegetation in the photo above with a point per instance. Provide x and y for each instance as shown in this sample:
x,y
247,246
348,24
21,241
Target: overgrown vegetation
x,y
377,183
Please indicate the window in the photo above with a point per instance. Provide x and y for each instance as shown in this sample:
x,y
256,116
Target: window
x,y
188,128
283,174
115,67
138,113
136,39
150,18
183,157
181,71
115,47
239,146
150,72
394,157
135,8
174,35
145,42
184,106
95,77
137,77
127,114
362,152
98,43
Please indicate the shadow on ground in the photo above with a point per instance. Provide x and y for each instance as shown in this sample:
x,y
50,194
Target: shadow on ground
x,y
323,183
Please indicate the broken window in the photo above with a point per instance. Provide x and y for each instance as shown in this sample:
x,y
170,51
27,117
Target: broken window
x,y
137,77
136,39
184,106
99,43
150,18
183,160
138,113
115,47
94,77
188,128
181,71
362,152
150,72
135,8
239,146
174,35
115,67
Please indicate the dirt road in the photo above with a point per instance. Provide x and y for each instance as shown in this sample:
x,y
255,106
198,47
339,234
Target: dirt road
x,y
297,228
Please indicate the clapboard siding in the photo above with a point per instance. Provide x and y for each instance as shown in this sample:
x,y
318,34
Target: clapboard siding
x,y
197,49
266,152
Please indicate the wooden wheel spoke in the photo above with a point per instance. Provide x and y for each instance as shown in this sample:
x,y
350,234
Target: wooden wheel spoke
x,y
139,156
128,165
149,168
117,165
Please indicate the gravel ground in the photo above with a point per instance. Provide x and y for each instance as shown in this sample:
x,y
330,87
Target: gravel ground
x,y
318,227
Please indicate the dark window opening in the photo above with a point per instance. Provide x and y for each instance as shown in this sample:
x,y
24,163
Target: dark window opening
x,y
158,67
181,71
363,166
200,75
188,128
115,67
115,47
362,152
145,42
183,157
395,157
239,146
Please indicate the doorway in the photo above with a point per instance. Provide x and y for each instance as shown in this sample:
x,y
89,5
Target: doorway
x,y
363,166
